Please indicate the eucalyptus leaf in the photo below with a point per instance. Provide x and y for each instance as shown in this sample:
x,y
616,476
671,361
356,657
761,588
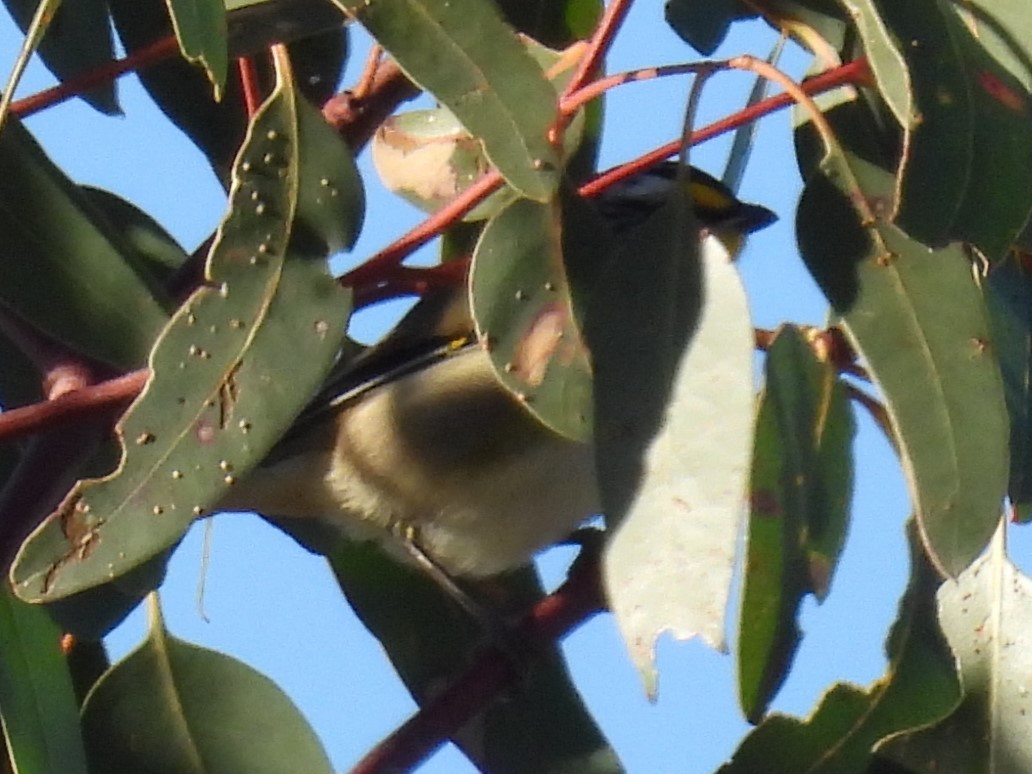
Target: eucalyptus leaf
x,y
171,707
217,399
463,53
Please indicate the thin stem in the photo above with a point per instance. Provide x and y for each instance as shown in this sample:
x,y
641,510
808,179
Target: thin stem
x,y
144,57
392,255
411,281
855,72
878,413
368,76
605,32
442,717
249,85
28,420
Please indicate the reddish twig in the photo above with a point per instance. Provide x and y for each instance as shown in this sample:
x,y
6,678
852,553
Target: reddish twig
x,y
369,272
144,57
854,73
368,76
249,85
830,344
441,718
71,405
357,113
411,281
600,42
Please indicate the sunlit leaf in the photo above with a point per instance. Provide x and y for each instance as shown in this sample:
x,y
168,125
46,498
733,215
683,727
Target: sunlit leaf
x,y
429,158
200,27
987,616
219,395
669,331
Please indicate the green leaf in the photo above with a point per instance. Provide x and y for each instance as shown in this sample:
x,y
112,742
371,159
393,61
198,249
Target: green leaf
x,y
917,318
985,616
200,27
154,246
217,399
1008,295
669,331
703,26
801,487
522,304
77,41
920,687
254,26
428,157
968,149
555,23
65,269
172,707
540,725
183,92
468,58
40,713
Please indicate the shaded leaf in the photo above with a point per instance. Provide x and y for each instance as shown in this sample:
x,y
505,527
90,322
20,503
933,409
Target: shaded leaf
x,y
1008,292
704,26
541,725
669,331
470,60
521,302
985,615
217,399
64,267
77,41
40,713
554,23
154,246
800,492
185,95
920,687
917,318
200,27
968,150
254,26
172,707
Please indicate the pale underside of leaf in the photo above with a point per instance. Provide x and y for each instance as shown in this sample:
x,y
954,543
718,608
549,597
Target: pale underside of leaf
x,y
669,564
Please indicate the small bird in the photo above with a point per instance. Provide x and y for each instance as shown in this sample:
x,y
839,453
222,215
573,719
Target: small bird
x,y
418,446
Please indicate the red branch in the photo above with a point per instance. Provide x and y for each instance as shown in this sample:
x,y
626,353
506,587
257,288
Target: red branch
x,y
70,405
249,85
606,31
391,256
855,73
144,57
441,718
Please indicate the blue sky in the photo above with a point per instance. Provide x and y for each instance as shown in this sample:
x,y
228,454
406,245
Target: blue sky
x,y
273,605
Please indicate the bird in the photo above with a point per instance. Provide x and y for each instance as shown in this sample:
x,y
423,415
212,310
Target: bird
x,y
416,445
